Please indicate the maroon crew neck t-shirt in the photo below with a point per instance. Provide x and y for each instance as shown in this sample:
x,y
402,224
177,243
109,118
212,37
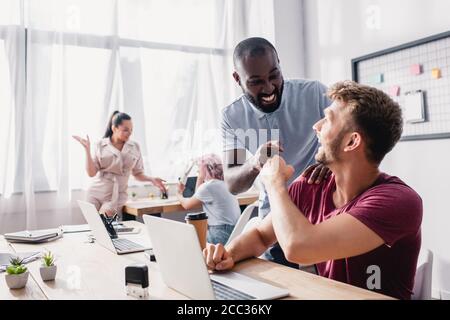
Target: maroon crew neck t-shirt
x,y
389,208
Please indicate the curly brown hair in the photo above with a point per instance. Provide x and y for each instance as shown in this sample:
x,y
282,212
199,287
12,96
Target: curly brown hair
x,y
376,116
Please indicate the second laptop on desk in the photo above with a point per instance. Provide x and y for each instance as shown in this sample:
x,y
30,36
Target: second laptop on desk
x,y
118,245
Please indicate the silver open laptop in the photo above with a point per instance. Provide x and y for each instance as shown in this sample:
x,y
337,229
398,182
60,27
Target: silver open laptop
x,y
178,254
119,245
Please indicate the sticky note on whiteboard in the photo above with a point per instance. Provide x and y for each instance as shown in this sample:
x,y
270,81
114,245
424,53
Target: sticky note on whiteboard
x,y
414,108
394,91
436,73
377,78
415,69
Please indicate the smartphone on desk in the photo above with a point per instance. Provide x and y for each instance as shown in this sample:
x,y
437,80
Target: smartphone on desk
x,y
120,227
124,229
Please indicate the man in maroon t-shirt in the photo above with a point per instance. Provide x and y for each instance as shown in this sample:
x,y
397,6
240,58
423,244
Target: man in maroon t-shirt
x,y
359,226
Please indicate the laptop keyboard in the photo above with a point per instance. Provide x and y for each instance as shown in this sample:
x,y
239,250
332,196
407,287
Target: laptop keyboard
x,y
224,292
124,245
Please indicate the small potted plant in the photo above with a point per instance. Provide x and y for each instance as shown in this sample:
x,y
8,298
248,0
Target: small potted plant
x,y
48,268
16,274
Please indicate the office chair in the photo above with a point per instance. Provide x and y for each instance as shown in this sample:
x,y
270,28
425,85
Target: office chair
x,y
242,221
422,280
253,222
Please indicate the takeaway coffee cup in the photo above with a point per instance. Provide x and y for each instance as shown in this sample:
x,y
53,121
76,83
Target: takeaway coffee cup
x,y
200,222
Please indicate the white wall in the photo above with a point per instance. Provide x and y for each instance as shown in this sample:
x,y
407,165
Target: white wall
x,y
288,37
335,31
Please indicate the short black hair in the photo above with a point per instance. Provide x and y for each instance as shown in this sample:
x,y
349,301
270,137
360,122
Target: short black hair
x,y
253,47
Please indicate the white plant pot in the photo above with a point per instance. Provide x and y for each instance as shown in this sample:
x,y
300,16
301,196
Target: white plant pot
x,y
48,273
17,281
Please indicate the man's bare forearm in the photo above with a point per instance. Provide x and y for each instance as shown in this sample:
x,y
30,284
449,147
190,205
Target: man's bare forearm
x,y
289,223
241,177
248,245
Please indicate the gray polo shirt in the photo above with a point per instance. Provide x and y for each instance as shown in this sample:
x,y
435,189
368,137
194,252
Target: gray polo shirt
x,y
302,105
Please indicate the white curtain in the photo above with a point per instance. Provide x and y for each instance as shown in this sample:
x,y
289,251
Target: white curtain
x,y
65,65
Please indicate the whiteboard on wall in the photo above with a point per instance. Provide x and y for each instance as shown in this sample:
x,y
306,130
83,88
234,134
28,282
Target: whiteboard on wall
x,y
417,76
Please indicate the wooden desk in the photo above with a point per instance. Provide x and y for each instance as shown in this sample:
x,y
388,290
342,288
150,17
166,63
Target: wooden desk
x,y
89,271
152,206
303,285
